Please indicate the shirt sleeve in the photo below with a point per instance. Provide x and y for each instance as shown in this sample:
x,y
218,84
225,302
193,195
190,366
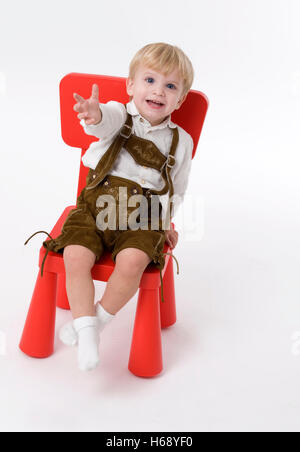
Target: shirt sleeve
x,y
113,117
181,178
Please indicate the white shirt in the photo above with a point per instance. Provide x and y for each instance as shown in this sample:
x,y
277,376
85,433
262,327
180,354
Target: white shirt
x,y
114,115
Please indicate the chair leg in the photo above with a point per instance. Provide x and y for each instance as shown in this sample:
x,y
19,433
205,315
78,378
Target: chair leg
x,y
62,301
168,307
145,358
38,333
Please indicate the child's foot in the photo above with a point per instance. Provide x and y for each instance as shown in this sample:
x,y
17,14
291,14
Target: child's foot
x,y
87,329
103,316
68,335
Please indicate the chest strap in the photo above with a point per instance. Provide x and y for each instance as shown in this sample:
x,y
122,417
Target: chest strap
x,y
108,159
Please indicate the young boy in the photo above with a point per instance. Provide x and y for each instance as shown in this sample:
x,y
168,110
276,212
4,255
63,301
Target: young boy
x,y
143,151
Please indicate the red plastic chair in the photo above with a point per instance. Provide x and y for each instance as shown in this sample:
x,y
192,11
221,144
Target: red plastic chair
x,y
37,340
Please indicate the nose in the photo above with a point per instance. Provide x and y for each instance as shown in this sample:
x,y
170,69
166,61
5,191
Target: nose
x,y
158,89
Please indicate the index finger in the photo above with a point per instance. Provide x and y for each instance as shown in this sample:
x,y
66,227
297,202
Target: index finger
x,y
95,91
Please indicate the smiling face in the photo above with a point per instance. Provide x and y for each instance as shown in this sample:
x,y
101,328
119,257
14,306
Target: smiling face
x,y
155,95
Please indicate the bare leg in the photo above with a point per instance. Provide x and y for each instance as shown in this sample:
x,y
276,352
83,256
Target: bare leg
x,y
79,261
125,279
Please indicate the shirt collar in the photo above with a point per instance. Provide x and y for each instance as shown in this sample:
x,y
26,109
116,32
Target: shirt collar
x,y
132,110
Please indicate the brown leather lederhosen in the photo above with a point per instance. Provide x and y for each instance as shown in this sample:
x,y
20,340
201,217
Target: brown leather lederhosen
x,y
145,153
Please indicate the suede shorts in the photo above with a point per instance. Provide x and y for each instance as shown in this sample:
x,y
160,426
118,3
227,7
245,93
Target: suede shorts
x,y
84,224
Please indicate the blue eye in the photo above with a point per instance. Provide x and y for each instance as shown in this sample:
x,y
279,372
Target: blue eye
x,y
150,79
171,86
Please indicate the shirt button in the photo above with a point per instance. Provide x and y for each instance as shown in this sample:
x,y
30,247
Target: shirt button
x,y
143,181
94,176
106,183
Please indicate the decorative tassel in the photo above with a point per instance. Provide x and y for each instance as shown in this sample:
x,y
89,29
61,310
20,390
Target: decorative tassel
x,y
161,280
43,263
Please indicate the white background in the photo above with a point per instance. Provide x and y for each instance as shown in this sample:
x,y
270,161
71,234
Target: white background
x,y
231,362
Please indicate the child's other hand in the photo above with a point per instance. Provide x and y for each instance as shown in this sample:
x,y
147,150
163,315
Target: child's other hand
x,y
88,109
171,237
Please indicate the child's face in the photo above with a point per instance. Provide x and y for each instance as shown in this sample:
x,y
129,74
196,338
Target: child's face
x,y
156,96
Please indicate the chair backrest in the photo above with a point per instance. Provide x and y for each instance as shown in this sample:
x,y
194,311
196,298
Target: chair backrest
x,y
190,116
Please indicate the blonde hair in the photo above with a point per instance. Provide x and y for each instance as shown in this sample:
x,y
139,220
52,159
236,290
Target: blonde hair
x,y
164,58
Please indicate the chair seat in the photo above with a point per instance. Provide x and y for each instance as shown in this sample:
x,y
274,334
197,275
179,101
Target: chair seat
x,y
104,267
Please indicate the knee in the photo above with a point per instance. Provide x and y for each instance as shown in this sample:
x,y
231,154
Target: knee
x,y
78,259
132,263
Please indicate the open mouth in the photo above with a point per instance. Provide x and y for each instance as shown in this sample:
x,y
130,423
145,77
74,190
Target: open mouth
x,y
154,104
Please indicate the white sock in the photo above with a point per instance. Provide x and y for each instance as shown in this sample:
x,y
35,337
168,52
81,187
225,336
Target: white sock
x,y
68,335
103,316
87,329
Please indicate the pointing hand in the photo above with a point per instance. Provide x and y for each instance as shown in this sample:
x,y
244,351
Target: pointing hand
x,y
88,109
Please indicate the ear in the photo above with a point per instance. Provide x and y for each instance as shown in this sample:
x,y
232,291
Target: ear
x,y
129,85
180,102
